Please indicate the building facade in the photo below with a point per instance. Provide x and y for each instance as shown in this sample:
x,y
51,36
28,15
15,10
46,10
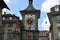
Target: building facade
x,y
11,27
2,5
43,35
54,18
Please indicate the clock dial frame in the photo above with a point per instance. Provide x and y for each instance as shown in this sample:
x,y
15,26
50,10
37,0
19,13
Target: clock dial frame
x,y
30,20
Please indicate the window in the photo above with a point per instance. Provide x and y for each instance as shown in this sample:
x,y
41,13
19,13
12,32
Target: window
x,y
57,17
16,25
10,25
3,24
59,34
3,18
10,18
9,30
3,31
9,36
14,36
58,24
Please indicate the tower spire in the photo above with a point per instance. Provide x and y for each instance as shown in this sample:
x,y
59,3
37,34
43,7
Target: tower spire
x,y
30,1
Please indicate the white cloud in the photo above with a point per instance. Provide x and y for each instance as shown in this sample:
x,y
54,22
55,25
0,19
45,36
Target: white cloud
x,y
7,1
46,24
46,8
48,4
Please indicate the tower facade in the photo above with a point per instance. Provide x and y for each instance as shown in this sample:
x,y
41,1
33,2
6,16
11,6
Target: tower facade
x,y
30,18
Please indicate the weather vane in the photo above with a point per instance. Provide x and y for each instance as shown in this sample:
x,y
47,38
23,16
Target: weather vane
x,y
30,1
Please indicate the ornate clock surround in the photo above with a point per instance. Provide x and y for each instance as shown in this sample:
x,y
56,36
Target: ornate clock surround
x,y
31,12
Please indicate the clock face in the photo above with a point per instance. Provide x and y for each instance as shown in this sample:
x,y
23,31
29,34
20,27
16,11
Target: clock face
x,y
30,20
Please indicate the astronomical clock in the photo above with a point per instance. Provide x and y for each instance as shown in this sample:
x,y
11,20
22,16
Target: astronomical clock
x,y
30,21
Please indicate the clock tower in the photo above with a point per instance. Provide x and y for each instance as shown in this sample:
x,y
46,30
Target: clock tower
x,y
30,18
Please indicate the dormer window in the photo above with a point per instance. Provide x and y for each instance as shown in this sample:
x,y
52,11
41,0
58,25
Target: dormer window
x,y
57,8
3,18
10,18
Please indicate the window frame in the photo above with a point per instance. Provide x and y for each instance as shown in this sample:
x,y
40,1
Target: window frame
x,y
10,24
57,18
58,34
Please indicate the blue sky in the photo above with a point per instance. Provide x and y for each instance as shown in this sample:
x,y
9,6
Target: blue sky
x,y
43,5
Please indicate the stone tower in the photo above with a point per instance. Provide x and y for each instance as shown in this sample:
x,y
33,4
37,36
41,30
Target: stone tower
x,y
30,18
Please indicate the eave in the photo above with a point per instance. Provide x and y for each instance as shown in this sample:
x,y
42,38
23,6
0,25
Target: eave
x,y
3,4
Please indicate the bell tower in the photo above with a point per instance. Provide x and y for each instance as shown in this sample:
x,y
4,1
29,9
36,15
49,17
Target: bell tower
x,y
30,18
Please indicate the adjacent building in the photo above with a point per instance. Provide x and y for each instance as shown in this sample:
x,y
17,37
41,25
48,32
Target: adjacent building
x,y
54,18
2,5
43,35
11,26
